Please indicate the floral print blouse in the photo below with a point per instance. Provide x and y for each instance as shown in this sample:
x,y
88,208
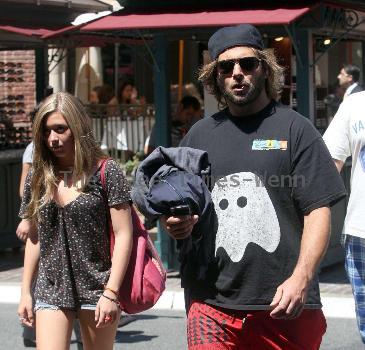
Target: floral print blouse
x,y
75,259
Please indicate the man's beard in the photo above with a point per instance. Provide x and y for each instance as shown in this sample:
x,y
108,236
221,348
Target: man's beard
x,y
253,92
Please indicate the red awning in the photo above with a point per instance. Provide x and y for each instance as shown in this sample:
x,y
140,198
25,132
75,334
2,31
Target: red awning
x,y
127,20
72,37
59,32
26,31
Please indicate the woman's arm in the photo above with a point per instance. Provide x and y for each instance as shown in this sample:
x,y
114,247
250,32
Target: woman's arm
x,y
31,259
123,231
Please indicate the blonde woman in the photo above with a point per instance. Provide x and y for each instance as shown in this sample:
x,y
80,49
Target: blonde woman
x,y
64,200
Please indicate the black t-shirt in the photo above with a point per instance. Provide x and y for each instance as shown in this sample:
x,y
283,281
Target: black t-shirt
x,y
267,171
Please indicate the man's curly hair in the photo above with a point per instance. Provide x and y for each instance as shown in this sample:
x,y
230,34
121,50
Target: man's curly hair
x,y
273,84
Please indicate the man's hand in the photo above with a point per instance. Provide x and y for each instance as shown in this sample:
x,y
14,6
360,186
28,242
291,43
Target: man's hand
x,y
290,298
25,229
179,227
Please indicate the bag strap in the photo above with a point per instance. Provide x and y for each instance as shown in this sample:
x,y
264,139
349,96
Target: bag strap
x,y
102,165
134,214
135,220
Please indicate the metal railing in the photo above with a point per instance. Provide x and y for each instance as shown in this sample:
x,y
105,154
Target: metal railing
x,y
122,130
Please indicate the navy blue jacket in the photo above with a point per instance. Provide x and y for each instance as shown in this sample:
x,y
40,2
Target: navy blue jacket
x,y
170,177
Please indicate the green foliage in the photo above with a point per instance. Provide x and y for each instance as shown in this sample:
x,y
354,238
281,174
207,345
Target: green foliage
x,y
131,165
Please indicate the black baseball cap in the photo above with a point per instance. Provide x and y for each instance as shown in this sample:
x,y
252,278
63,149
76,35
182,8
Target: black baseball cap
x,y
227,37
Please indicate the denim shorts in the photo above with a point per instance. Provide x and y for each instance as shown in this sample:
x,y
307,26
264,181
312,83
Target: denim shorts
x,y
40,305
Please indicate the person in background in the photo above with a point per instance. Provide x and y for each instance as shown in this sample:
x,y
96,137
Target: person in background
x,y
27,159
128,98
272,183
127,93
348,79
104,95
94,95
345,137
333,101
63,210
188,113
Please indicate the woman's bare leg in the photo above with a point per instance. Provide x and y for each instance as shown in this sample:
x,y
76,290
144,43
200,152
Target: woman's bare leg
x,y
53,329
96,338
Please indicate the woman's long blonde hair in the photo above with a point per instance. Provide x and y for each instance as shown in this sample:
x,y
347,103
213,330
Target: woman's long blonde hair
x,y
87,150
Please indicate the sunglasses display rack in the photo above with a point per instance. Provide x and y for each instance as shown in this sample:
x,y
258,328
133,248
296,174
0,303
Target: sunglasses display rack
x,y
11,72
11,104
15,129
12,107
14,137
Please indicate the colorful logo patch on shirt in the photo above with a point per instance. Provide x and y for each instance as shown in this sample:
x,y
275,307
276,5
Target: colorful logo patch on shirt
x,y
266,145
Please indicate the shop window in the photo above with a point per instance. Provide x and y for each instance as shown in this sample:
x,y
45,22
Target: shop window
x,y
328,94
283,51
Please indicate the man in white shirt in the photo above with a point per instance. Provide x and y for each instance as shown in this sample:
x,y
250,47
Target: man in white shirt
x,y
348,78
345,137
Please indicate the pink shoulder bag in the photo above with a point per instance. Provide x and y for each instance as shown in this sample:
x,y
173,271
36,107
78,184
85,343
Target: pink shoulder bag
x,y
145,277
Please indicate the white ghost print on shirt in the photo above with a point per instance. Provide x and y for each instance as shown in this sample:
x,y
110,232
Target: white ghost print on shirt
x,y
245,214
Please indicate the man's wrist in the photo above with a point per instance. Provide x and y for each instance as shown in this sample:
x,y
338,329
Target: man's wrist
x,y
304,274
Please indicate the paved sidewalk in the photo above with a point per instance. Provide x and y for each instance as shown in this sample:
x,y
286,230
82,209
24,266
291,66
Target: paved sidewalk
x,y
335,289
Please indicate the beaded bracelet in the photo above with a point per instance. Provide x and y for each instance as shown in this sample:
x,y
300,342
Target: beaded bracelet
x,y
116,301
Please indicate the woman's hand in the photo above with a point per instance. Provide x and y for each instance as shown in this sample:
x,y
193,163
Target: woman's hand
x,y
107,311
25,311
25,229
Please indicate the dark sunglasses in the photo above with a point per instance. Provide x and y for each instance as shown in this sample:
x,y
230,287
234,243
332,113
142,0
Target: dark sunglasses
x,y
7,71
15,97
10,64
14,112
12,80
247,64
12,104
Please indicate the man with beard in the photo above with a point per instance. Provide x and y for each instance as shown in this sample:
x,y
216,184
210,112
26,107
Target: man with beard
x,y
273,185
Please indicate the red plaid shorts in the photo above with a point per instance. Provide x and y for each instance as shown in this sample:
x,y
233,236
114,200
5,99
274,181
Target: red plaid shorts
x,y
215,328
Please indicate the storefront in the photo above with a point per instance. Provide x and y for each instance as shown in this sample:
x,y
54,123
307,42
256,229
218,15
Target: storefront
x,y
339,42
305,37
312,39
23,77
